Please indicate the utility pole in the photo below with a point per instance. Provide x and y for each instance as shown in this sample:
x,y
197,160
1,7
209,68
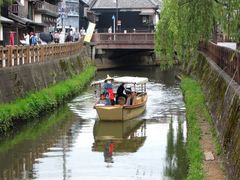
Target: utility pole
x,y
117,15
114,23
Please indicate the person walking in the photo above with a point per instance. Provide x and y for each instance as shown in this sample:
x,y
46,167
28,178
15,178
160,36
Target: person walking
x,y
27,38
110,32
76,35
33,39
82,32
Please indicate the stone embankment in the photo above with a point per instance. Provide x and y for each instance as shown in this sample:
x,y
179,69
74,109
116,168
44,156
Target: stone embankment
x,y
16,81
31,89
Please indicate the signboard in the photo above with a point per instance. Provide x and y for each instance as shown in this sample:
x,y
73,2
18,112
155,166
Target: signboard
x,y
89,33
119,22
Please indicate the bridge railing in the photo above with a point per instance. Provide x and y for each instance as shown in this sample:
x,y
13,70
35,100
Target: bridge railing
x,y
19,55
226,58
123,38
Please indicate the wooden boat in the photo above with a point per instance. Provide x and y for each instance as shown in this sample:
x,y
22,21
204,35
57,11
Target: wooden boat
x,y
124,112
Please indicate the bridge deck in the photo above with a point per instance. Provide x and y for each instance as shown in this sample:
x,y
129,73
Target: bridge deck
x,y
124,40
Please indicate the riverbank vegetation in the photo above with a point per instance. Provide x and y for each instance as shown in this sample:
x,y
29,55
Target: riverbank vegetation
x,y
183,24
47,99
195,109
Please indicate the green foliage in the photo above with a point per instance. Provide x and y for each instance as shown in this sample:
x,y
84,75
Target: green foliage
x,y
184,23
195,107
194,103
5,2
35,103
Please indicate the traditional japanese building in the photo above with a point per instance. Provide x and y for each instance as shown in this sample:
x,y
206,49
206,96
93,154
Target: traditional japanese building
x,y
27,16
126,15
69,13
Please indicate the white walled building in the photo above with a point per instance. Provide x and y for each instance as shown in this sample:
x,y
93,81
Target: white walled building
x,y
70,11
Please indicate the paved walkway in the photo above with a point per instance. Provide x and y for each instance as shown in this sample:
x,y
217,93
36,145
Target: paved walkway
x,y
213,165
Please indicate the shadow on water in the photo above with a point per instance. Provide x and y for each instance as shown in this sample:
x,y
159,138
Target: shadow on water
x,y
72,144
19,152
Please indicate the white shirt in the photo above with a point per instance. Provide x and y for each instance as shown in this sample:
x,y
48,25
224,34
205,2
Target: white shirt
x,y
27,39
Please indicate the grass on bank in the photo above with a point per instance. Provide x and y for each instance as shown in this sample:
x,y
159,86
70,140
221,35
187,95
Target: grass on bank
x,y
196,108
195,104
46,99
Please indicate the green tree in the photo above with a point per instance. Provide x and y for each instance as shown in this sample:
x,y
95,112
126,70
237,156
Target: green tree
x,y
184,23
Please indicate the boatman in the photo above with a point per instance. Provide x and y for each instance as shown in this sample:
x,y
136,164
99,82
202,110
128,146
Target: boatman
x,y
120,93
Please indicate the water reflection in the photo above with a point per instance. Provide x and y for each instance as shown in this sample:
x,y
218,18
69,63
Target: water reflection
x,y
128,136
176,160
118,137
21,151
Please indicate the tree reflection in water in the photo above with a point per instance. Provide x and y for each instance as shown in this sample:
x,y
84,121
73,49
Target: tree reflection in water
x,y
176,159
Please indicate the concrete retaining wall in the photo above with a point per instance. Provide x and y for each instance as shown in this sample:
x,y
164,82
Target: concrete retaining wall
x,y
17,81
223,99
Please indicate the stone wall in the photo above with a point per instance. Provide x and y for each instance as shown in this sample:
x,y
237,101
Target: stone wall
x,y
16,81
223,99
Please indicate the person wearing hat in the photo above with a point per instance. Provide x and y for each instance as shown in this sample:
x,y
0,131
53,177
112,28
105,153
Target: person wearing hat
x,y
107,89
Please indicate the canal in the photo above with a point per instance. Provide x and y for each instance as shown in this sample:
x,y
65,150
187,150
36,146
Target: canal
x,y
71,143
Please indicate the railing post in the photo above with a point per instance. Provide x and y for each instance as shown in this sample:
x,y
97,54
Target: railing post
x,y
16,57
9,57
1,56
27,54
41,53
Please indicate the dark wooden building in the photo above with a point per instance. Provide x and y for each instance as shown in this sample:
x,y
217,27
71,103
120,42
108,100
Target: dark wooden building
x,y
27,16
128,15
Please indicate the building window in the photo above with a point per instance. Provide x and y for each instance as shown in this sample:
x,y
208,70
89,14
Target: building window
x,y
145,19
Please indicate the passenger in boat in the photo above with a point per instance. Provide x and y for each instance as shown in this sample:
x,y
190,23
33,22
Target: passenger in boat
x,y
120,93
102,100
129,97
108,100
121,101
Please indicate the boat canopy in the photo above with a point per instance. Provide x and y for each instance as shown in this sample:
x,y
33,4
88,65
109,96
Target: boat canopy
x,y
125,79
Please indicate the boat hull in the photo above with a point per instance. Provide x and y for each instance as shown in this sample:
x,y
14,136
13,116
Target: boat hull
x,y
121,113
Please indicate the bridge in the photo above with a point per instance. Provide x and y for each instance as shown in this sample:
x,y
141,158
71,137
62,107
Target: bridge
x,y
123,41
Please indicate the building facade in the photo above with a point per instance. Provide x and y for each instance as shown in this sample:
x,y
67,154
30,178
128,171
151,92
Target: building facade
x,y
27,16
68,13
126,15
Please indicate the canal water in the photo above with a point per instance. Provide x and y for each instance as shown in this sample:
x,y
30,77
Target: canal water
x,y
71,143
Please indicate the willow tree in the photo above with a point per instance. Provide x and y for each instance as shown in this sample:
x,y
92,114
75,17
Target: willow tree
x,y
184,23
5,1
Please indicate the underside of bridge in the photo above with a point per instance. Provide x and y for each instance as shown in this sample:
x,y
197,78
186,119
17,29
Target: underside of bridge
x,y
114,58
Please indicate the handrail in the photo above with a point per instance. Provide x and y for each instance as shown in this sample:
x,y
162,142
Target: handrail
x,y
227,59
123,40
18,55
122,37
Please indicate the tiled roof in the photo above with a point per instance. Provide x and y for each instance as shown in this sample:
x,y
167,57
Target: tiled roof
x,y
5,20
86,1
110,4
